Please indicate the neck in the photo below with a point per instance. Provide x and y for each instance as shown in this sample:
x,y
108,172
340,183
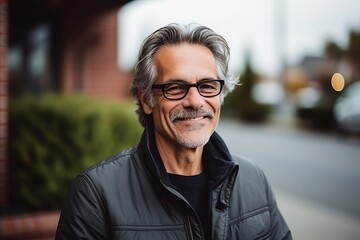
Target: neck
x,y
180,160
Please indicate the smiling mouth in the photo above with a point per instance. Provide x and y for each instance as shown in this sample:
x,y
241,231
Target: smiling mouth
x,y
191,119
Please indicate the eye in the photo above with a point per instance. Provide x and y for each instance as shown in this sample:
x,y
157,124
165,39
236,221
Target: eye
x,y
208,86
175,88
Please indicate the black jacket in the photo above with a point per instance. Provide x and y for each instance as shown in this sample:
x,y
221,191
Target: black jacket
x,y
129,196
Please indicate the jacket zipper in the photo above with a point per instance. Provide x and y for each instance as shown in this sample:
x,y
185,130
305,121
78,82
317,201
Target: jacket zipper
x,y
178,195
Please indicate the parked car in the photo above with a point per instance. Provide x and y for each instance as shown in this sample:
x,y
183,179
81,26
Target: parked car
x,y
314,109
347,109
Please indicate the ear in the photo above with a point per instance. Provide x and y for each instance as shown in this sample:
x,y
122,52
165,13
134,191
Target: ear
x,y
144,104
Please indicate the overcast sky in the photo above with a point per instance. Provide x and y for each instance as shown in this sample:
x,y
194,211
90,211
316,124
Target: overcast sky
x,y
264,28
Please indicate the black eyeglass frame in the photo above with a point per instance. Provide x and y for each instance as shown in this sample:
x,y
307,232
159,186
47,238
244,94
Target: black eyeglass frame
x,y
188,86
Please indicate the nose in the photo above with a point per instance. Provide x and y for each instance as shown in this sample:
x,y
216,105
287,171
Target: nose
x,y
193,99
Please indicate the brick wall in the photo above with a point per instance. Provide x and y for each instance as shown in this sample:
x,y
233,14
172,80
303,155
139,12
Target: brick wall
x,y
90,58
3,100
37,226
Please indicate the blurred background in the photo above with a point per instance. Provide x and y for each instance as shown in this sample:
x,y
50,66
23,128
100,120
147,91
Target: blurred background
x,y
66,67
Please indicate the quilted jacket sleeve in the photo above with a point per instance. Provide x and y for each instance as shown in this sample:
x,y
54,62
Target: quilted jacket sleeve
x,y
82,216
279,227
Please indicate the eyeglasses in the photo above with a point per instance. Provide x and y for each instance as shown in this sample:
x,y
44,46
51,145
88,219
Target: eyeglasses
x,y
178,90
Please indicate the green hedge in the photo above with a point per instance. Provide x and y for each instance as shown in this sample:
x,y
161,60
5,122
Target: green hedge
x,y
53,138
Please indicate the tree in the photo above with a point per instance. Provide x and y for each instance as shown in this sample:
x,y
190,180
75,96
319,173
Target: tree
x,y
353,53
241,102
333,51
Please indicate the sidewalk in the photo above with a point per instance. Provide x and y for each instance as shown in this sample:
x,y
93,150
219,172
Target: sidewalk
x,y
312,221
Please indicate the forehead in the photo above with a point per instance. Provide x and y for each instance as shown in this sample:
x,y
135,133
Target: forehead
x,y
185,61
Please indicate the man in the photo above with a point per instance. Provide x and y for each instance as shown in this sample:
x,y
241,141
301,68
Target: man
x,y
180,181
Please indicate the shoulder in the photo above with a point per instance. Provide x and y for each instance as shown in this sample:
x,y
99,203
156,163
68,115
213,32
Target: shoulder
x,y
111,166
248,167
102,178
252,180
115,160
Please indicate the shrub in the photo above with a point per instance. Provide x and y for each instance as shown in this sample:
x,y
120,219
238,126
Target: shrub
x,y
53,138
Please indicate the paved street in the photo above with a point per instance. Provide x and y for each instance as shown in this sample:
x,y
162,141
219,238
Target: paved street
x,y
316,176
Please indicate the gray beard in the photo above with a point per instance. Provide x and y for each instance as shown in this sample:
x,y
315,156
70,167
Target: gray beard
x,y
191,113
193,143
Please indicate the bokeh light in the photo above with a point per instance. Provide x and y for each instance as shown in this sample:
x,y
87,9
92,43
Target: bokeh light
x,y
337,82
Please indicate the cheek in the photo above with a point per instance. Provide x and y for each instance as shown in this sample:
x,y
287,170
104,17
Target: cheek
x,y
162,111
215,105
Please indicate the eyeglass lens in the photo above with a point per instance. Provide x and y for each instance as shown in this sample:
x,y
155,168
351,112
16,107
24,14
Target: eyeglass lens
x,y
206,88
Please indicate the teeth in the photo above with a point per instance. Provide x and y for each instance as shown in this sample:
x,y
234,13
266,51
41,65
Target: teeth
x,y
198,118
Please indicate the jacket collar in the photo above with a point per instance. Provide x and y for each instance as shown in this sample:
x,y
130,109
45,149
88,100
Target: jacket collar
x,y
216,156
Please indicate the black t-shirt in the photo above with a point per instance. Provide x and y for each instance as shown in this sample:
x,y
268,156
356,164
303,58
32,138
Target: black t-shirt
x,y
195,189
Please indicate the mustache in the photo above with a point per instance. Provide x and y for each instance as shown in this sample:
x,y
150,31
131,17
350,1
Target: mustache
x,y
191,113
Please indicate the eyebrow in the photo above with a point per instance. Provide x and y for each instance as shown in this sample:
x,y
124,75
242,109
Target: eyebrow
x,y
183,81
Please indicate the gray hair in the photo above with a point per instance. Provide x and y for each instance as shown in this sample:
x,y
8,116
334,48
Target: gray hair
x,y
174,34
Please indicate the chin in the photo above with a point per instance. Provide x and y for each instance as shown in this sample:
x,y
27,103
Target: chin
x,y
193,142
